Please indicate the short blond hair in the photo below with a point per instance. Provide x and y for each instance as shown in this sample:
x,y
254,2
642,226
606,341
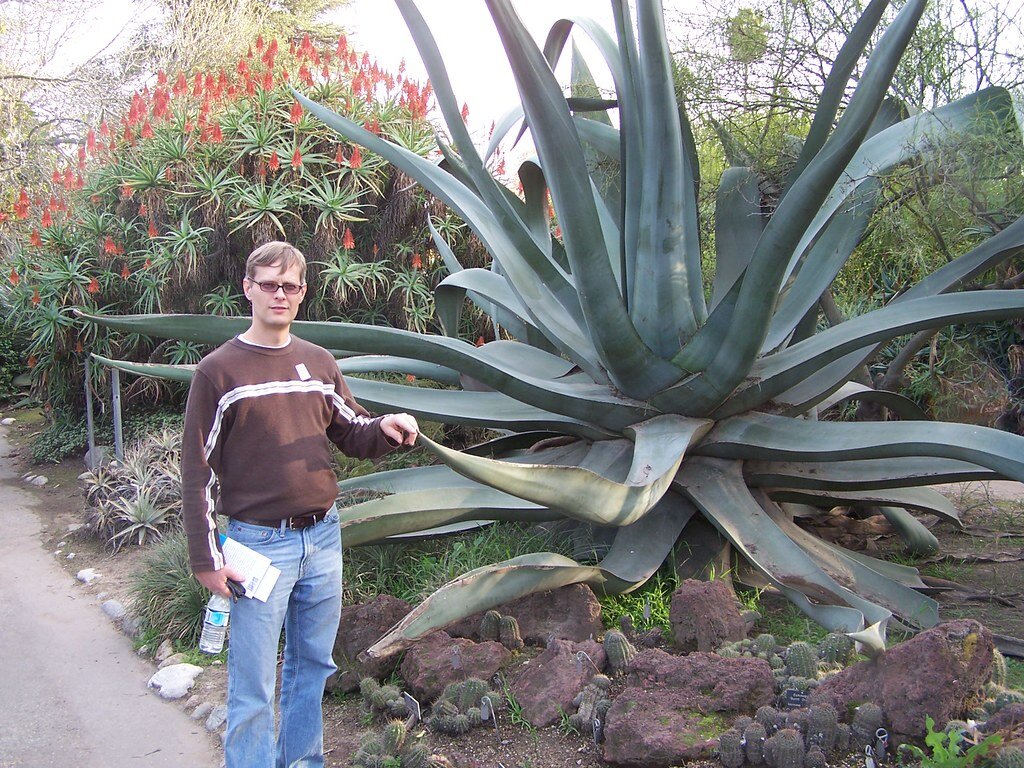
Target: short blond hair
x,y
276,253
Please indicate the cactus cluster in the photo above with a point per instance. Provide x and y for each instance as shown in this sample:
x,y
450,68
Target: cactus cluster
x,y
798,738
785,749
618,650
1010,756
382,699
761,647
389,748
1000,697
501,629
459,707
867,719
591,703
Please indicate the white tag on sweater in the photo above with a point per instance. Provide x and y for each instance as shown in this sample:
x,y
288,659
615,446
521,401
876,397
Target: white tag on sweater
x,y
303,373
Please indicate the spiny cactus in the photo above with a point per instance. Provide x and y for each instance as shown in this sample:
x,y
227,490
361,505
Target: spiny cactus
x,y
866,721
730,749
797,720
490,626
815,757
591,702
508,633
1010,756
379,698
822,720
618,650
956,726
390,748
459,707
999,669
785,749
770,718
764,645
802,660
836,648
843,736
754,737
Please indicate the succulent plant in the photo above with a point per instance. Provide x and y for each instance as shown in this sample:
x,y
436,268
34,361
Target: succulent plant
x,y
389,748
822,720
730,749
382,699
508,633
802,660
754,737
867,719
592,702
785,749
618,650
815,757
770,719
836,648
630,401
460,707
490,626
1010,756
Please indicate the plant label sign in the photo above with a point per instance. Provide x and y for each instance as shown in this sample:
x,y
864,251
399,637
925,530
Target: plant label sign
x,y
794,699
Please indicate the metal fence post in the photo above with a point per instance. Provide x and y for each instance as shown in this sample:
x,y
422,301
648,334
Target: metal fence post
x,y
115,386
90,431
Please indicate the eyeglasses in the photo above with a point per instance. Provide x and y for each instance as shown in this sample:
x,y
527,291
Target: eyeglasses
x,y
269,286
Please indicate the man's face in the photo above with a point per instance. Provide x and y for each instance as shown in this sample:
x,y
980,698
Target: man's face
x,y
277,309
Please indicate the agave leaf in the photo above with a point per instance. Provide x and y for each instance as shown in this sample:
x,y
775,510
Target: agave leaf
x,y
863,474
488,290
738,226
717,488
922,499
911,606
410,511
919,540
406,365
584,494
632,365
451,262
766,437
182,373
852,391
774,374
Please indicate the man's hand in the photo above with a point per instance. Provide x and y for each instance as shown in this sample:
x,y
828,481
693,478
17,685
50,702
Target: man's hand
x,y
217,581
401,428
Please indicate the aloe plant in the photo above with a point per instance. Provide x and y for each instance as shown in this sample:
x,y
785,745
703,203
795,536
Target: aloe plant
x,y
631,402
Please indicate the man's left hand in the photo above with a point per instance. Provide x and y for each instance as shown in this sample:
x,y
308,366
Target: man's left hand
x,y
401,428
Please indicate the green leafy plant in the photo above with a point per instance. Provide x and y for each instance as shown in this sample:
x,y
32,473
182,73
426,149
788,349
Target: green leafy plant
x,y
164,594
630,402
949,749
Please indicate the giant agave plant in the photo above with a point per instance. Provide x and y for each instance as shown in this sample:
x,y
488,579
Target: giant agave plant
x,y
631,403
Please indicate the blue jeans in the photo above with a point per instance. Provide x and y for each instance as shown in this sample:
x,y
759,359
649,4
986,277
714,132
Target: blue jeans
x,y
306,601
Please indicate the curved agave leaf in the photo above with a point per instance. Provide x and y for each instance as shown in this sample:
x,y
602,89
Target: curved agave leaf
x,y
717,488
851,391
590,495
766,437
774,374
406,365
919,540
738,227
590,403
182,373
863,474
859,576
488,290
922,499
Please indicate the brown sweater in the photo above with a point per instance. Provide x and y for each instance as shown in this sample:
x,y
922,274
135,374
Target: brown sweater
x,y
258,425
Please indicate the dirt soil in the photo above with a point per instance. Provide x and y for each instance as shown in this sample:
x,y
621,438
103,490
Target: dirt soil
x,y
987,558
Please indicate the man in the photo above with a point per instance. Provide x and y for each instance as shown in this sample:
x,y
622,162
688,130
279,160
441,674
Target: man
x,y
262,411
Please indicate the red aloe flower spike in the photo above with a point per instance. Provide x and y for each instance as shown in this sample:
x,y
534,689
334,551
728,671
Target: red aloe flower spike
x,y
147,130
47,220
56,177
417,261
94,286
32,358
161,77
259,42
188,127
147,264
216,135
35,239
109,245
81,156
274,163
90,141
295,115
480,341
297,158
348,242
125,272
339,156
180,85
465,111
128,137
13,277
153,231
104,129
410,378
268,80
356,161
143,210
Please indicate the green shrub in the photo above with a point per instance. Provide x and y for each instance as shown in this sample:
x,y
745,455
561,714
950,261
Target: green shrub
x,y
164,595
12,360
68,435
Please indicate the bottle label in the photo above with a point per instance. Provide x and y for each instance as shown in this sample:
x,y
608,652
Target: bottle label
x,y
217,618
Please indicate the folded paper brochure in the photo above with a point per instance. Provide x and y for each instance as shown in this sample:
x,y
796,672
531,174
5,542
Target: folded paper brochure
x,y
259,575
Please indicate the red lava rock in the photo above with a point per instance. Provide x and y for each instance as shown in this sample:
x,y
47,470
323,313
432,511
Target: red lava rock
x,y
552,680
361,626
568,613
935,673
706,681
439,659
705,614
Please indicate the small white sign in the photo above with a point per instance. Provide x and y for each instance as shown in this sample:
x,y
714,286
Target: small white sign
x,y
303,373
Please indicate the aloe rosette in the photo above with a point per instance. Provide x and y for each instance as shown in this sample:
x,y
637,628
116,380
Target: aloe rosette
x,y
628,401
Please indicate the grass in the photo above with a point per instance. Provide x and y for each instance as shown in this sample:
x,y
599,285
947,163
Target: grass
x,y
779,617
412,570
1015,674
654,599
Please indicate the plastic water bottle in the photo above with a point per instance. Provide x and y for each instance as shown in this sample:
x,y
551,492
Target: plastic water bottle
x,y
215,626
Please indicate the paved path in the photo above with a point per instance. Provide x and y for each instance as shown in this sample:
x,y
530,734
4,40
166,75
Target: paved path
x,y
72,692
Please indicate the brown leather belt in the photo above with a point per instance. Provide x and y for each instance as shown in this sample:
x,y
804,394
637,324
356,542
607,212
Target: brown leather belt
x,y
294,523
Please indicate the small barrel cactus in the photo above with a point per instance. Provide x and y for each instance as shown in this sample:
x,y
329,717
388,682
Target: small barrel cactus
x,y
836,648
618,650
785,749
459,707
770,718
730,749
815,757
390,748
508,633
999,669
822,720
490,626
592,702
802,660
386,699
843,737
754,737
764,645
866,721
